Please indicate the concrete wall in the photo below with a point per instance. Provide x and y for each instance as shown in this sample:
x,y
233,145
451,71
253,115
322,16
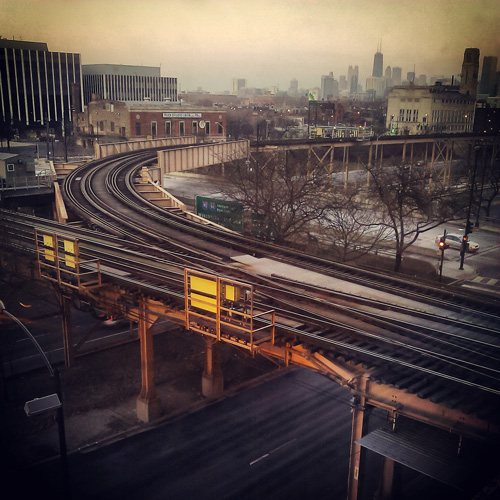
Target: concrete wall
x,y
104,150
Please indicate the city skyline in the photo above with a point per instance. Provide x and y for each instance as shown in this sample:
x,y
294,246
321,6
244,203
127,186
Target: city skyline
x,y
205,44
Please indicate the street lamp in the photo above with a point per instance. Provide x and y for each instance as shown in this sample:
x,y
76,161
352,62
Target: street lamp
x,y
47,403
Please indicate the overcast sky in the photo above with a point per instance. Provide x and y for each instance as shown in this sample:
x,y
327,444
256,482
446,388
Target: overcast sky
x,y
206,43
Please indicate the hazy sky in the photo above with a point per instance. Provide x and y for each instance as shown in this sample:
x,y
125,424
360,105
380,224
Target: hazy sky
x,y
206,43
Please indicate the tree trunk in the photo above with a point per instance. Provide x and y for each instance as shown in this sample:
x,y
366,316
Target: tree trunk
x,y
399,258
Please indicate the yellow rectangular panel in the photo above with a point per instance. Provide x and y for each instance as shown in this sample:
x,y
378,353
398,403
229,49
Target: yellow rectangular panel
x,y
48,243
69,249
203,285
232,293
203,302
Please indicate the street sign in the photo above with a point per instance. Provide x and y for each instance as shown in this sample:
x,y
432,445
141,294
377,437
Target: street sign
x,y
226,213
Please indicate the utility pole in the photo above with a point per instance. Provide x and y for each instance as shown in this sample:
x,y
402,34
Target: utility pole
x,y
468,225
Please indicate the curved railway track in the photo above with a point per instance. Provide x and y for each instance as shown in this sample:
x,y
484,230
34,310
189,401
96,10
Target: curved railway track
x,y
449,353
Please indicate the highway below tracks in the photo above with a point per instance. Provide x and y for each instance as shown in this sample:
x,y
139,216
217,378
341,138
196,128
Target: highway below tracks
x,y
438,343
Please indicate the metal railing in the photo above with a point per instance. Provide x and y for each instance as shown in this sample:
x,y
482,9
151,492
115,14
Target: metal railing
x,y
41,180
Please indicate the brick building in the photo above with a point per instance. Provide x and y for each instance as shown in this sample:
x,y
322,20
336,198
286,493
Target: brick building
x,y
133,120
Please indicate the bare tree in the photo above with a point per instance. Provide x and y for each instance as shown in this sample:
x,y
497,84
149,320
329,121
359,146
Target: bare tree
x,y
350,227
409,205
285,194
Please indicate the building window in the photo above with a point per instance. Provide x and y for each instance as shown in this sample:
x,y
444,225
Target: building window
x,y
415,115
182,130
401,115
112,126
10,167
220,128
207,128
101,126
112,106
153,129
137,128
195,128
168,128
122,129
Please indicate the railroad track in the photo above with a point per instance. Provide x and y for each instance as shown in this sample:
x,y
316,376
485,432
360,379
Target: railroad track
x,y
449,353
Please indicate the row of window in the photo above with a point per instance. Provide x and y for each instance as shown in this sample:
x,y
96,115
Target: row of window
x,y
182,128
408,115
453,116
130,87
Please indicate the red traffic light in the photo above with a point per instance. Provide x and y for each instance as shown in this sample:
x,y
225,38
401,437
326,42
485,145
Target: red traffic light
x,y
442,244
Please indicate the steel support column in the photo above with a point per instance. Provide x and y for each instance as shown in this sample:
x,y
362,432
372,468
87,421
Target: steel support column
x,y
67,333
358,413
148,403
387,479
212,383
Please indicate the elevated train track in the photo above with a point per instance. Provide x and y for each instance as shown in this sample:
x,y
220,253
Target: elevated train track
x,y
436,363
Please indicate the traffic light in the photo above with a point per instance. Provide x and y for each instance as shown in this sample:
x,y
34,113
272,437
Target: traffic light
x,y
468,227
442,244
465,243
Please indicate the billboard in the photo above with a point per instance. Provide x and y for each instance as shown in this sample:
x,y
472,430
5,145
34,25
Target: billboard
x,y
226,213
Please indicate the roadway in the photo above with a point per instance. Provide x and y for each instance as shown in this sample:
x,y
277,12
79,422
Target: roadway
x,y
286,439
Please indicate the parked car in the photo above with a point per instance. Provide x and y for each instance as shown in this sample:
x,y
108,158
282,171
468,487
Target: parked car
x,y
455,241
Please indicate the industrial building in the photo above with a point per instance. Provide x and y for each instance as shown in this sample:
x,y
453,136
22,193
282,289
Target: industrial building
x,y
38,86
119,82
419,109
106,119
415,109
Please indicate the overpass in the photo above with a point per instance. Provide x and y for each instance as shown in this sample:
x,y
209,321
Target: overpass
x,y
228,309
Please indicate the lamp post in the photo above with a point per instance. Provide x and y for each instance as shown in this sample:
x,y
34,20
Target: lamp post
x,y
222,127
47,403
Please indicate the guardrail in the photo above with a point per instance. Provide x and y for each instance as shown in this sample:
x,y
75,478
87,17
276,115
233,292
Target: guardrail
x,y
28,182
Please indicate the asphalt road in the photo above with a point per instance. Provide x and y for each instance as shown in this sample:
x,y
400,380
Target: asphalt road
x,y
286,439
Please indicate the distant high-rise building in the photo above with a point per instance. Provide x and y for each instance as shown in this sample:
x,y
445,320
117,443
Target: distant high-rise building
x,y
378,64
388,72
37,85
238,84
396,76
352,79
375,86
487,83
342,83
422,80
470,72
293,90
410,77
328,87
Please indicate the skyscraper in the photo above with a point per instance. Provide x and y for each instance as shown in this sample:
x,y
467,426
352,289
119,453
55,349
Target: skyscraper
x,y
470,71
293,90
238,84
378,64
396,76
327,87
487,83
352,79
